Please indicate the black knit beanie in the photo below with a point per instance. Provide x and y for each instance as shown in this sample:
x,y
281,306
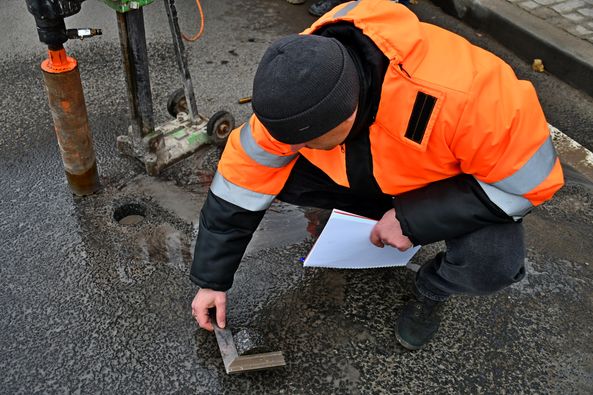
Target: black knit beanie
x,y
304,86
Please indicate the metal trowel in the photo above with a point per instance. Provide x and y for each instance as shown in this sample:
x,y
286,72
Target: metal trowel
x,y
248,361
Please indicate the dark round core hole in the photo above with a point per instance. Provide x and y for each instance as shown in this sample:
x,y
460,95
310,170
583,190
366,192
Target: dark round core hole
x,y
129,214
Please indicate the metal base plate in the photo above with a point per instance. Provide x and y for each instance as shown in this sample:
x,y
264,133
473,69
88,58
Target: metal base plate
x,y
168,144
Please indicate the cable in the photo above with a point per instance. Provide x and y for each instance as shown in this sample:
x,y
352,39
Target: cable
x,y
199,33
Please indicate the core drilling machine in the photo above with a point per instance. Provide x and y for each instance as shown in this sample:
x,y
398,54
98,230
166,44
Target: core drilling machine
x,y
161,146
157,147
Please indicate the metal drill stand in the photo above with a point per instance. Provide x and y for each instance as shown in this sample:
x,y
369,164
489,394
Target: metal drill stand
x,y
161,146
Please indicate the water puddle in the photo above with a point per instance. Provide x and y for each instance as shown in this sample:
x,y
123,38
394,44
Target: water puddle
x,y
169,196
150,222
574,177
282,225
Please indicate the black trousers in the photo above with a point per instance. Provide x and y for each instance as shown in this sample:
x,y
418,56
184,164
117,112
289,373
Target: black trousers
x,y
477,263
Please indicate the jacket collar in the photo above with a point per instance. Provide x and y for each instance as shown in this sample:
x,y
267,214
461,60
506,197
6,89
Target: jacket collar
x,y
394,29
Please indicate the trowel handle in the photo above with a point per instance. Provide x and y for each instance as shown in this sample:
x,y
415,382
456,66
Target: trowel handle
x,y
212,315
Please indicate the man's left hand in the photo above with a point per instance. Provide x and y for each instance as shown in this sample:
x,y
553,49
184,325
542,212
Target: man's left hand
x,y
389,232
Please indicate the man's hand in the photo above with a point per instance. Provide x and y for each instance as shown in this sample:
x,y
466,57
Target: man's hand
x,y
389,232
204,300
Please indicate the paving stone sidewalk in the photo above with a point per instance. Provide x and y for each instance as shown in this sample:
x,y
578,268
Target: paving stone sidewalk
x,y
573,16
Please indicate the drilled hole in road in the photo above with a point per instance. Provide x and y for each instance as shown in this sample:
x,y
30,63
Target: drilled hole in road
x,y
129,214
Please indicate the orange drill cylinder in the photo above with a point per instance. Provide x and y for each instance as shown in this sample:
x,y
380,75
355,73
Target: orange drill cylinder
x,y
68,110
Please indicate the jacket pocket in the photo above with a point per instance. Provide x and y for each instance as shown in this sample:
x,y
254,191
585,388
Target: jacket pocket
x,y
409,112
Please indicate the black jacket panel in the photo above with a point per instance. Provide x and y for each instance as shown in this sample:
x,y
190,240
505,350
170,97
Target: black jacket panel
x,y
446,209
225,230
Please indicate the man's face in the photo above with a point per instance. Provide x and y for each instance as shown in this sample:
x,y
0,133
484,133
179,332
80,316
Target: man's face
x,y
331,139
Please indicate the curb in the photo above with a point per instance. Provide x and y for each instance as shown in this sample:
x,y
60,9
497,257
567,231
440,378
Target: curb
x,y
567,57
572,153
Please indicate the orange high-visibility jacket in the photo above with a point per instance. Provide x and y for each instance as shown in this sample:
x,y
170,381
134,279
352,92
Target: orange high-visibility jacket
x,y
447,108
483,122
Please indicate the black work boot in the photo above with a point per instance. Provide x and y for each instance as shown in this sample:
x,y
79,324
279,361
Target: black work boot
x,y
322,6
418,322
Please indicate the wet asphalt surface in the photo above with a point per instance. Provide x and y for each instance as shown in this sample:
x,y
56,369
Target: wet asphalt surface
x,y
89,305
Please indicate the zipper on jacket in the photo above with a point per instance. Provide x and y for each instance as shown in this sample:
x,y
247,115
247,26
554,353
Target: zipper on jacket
x,y
342,148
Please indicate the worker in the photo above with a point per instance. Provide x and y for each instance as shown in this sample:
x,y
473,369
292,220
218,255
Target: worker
x,y
373,112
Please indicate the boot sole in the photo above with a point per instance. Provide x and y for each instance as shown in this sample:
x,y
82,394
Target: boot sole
x,y
404,343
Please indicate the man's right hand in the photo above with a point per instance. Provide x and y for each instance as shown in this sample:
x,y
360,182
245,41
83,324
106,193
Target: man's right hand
x,y
206,299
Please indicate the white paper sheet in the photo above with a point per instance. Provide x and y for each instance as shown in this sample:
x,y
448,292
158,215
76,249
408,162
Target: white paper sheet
x,y
345,243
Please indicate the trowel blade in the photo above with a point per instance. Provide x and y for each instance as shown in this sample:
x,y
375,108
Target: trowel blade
x,y
233,363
